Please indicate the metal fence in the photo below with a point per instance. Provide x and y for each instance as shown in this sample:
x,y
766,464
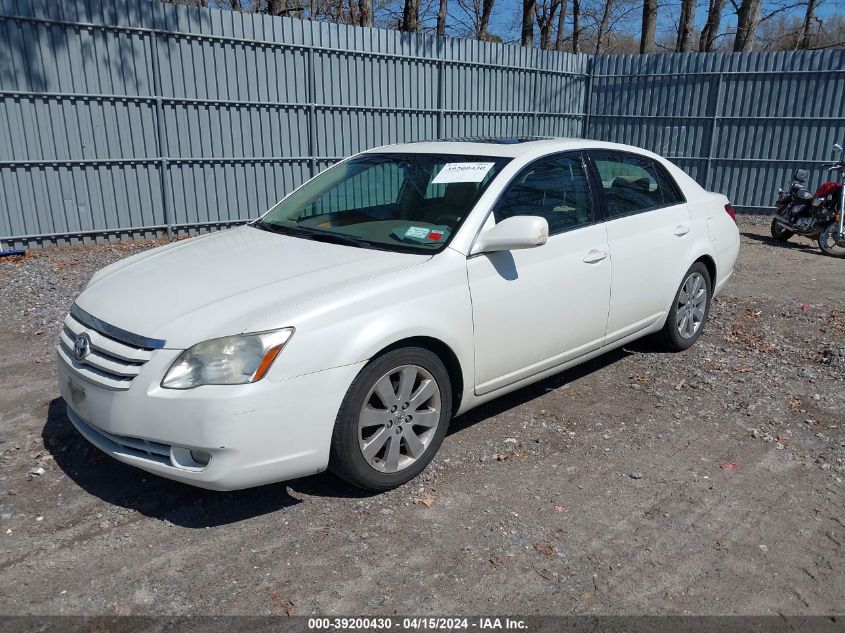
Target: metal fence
x,y
739,124
129,116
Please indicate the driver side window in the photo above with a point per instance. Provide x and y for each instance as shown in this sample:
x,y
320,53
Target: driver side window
x,y
555,188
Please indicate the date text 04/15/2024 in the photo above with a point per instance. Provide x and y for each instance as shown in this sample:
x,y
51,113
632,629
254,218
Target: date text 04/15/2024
x,y
416,623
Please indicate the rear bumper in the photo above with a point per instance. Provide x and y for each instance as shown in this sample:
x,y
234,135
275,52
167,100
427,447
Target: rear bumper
x,y
255,434
721,283
726,260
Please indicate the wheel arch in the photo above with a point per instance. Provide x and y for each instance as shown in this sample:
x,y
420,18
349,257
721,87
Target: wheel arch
x,y
444,352
710,264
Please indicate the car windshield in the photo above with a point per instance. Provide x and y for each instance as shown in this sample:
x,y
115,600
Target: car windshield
x,y
398,202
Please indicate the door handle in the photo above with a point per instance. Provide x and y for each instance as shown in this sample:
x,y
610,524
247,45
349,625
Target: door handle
x,y
681,230
594,256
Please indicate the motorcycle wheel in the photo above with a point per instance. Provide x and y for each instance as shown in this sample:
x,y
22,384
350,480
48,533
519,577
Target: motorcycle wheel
x,y
828,240
779,233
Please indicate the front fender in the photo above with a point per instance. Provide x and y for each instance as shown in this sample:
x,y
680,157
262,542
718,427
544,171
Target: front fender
x,y
353,325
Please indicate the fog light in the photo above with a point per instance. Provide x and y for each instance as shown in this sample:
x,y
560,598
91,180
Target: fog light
x,y
200,457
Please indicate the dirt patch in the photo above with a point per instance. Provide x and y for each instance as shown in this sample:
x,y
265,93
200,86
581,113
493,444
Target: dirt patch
x,y
706,482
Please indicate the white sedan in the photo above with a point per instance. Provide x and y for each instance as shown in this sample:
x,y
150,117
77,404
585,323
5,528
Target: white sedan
x,y
399,288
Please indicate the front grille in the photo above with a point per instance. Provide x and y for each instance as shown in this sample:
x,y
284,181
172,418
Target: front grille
x,y
122,444
110,363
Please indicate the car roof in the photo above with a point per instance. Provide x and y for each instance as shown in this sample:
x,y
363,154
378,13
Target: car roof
x,y
510,147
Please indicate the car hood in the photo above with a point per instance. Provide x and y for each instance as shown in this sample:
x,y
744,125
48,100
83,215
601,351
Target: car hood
x,y
226,283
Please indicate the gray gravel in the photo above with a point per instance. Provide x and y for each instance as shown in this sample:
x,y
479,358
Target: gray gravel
x,y
39,287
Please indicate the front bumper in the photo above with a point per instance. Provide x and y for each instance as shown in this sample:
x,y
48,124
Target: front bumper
x,y
256,433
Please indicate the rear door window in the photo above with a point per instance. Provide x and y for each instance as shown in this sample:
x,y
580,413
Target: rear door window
x,y
633,184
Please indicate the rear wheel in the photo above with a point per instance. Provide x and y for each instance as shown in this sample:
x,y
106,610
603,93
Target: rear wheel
x,y
779,233
393,419
689,310
831,242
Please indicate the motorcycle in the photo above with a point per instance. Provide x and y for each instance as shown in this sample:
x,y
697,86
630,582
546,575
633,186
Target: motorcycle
x,y
819,215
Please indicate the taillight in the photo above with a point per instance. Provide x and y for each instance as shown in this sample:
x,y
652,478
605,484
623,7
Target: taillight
x,y
731,212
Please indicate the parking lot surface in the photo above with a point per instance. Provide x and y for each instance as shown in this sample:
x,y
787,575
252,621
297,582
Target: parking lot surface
x,y
706,482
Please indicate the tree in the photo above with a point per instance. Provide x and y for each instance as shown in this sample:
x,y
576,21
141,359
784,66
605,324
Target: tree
x,y
748,19
561,24
365,12
484,23
649,26
289,8
803,40
707,41
603,24
354,17
545,14
441,17
576,25
529,8
478,12
410,16
686,27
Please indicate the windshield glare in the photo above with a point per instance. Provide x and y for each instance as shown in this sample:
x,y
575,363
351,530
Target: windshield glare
x,y
402,202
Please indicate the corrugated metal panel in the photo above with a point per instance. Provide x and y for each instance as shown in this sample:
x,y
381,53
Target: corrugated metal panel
x,y
118,115
738,123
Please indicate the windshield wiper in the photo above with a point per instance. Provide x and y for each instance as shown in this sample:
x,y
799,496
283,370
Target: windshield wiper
x,y
266,226
321,236
346,240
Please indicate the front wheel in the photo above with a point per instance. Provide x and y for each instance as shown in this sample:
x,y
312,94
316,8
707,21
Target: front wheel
x,y
779,233
831,242
689,310
393,419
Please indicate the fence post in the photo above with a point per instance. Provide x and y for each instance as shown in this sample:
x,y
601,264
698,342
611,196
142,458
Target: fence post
x,y
162,147
441,97
714,124
535,115
588,96
312,110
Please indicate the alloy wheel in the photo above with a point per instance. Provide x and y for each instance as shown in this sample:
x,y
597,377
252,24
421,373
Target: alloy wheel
x,y
692,302
399,418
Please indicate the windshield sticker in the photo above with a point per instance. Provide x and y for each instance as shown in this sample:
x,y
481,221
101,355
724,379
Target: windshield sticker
x,y
417,232
462,172
422,234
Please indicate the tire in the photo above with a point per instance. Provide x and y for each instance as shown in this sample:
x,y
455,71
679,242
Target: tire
x,y
398,449
779,233
671,336
827,241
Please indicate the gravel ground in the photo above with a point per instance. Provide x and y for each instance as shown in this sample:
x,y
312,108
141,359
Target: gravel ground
x,y
707,482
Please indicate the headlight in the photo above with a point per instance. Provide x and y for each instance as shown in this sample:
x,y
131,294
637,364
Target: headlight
x,y
231,360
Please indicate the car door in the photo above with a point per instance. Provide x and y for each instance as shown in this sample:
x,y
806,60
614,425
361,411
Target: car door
x,y
648,231
536,308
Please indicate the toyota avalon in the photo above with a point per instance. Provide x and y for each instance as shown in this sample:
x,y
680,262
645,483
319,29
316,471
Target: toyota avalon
x,y
403,286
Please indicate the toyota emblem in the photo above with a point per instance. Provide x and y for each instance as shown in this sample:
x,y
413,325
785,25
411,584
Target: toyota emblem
x,y
81,346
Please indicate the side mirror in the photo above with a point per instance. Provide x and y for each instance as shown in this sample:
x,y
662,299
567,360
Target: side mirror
x,y
519,231
837,147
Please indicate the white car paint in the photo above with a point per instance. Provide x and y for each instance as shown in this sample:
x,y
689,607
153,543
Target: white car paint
x,y
502,285
507,319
